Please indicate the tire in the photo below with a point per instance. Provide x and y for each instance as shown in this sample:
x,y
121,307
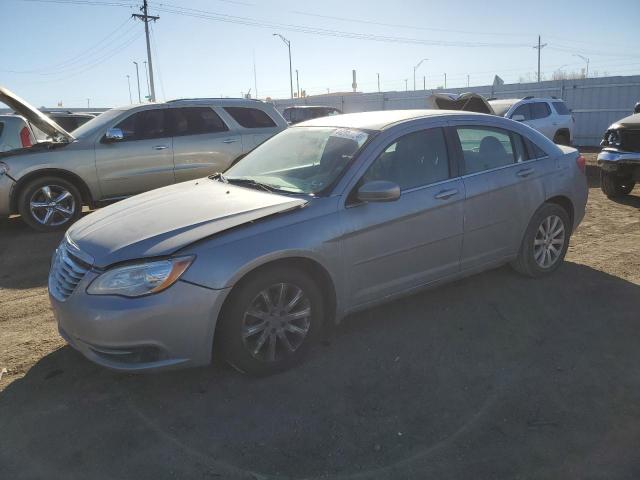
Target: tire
x,y
613,185
562,138
529,262
52,215
252,353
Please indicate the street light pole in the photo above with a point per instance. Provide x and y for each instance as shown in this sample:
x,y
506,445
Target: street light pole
x,y
129,83
586,73
146,72
138,78
297,83
414,71
378,82
288,44
406,88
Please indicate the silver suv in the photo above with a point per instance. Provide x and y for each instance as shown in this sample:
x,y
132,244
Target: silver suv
x,y
550,116
125,151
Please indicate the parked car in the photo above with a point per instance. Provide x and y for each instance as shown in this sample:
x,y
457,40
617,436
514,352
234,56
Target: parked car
x,y
550,116
619,160
301,113
326,218
16,132
68,120
125,151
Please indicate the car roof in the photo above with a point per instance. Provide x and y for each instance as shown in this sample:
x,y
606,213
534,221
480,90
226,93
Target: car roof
x,y
379,120
310,106
525,99
11,117
223,102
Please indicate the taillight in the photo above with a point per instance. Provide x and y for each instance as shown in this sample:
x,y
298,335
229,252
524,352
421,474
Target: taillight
x,y
25,137
582,163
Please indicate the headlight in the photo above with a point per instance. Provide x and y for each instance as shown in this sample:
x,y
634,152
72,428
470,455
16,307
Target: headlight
x,y
613,138
4,168
141,278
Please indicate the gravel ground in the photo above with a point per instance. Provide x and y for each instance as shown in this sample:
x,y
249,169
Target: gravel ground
x,y
494,376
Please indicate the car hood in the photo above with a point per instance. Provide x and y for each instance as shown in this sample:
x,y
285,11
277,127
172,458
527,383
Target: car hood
x,y
36,117
632,121
468,102
162,221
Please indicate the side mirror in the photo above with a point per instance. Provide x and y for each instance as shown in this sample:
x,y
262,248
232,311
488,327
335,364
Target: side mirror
x,y
379,191
518,118
114,135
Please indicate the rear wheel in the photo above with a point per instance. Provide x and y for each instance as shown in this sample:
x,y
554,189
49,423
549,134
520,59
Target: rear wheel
x,y
271,321
49,203
545,241
614,185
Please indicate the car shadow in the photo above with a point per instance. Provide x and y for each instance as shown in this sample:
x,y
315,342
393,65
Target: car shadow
x,y
494,376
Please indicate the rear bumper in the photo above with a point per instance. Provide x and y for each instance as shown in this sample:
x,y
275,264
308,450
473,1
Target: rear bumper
x,y
170,329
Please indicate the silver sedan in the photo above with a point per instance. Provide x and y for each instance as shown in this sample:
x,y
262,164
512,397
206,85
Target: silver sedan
x,y
326,218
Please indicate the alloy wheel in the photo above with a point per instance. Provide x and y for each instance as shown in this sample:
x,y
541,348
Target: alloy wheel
x,y
276,322
549,241
52,205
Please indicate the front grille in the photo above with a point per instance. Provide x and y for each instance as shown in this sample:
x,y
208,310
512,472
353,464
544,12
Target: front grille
x,y
630,140
66,272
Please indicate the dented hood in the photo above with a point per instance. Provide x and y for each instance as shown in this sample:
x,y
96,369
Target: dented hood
x,y
162,221
468,102
35,117
632,121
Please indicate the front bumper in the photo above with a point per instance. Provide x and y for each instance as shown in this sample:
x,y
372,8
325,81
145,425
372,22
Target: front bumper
x,y
170,329
612,160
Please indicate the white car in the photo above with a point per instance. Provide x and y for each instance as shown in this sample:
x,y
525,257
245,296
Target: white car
x,y
16,132
550,116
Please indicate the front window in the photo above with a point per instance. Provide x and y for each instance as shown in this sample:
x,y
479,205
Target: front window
x,y
301,159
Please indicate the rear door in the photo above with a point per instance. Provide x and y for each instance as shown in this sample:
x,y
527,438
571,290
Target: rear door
x,y
392,247
256,125
142,161
503,189
202,142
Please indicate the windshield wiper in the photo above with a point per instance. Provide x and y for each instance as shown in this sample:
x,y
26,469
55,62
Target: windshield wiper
x,y
251,183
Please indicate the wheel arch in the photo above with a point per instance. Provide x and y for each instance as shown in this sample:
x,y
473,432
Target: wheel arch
x,y
566,204
80,184
562,132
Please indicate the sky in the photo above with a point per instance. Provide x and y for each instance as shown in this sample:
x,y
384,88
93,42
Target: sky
x,y
69,51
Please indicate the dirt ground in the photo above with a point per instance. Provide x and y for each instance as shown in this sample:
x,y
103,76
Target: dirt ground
x,y
494,376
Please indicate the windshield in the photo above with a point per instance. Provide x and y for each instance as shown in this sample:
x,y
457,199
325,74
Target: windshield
x,y
500,107
300,159
98,122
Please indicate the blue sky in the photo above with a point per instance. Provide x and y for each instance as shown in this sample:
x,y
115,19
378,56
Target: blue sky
x,y
71,50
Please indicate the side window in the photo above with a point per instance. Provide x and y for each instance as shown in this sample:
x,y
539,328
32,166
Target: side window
x,y
561,108
519,148
144,125
195,120
535,151
250,117
414,160
485,148
523,110
540,110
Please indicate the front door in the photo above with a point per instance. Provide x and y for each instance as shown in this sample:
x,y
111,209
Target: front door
x,y
395,246
141,161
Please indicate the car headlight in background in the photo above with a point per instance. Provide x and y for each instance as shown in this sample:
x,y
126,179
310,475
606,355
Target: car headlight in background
x,y
613,138
4,168
135,280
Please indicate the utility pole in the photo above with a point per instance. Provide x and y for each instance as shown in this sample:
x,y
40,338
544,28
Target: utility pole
x,y
424,82
467,81
145,17
146,72
288,44
414,71
138,78
445,81
378,82
297,83
539,47
406,88
129,83
88,106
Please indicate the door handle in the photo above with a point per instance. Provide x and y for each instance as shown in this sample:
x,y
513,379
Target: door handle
x,y
161,147
525,172
230,140
444,194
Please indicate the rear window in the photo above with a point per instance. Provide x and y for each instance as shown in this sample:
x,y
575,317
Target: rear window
x,y
561,108
250,117
534,150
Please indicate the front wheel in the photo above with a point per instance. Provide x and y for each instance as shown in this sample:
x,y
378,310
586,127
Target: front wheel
x,y
271,321
613,185
545,241
49,203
